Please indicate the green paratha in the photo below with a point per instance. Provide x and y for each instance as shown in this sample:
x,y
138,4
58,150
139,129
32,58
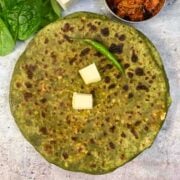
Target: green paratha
x,y
128,110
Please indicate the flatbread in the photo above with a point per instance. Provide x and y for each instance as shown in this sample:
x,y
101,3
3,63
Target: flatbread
x,y
128,111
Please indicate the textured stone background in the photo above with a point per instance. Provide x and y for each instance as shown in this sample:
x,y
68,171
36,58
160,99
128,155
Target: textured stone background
x,y
19,160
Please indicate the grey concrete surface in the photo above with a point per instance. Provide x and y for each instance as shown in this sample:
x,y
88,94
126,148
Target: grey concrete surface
x,y
19,160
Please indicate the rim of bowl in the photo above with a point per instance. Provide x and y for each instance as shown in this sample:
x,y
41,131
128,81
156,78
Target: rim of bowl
x,y
129,21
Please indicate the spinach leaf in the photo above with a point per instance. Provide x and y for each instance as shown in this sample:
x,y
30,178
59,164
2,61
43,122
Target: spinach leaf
x,y
56,7
2,7
6,41
7,4
24,19
47,13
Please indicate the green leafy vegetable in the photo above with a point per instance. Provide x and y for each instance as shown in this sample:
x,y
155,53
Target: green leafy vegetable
x,y
2,5
47,14
25,17
56,7
6,41
7,4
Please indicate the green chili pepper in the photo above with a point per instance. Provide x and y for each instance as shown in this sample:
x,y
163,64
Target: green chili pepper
x,y
104,50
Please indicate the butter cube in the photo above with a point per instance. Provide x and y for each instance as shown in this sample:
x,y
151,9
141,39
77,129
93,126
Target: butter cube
x,y
90,74
65,3
82,101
